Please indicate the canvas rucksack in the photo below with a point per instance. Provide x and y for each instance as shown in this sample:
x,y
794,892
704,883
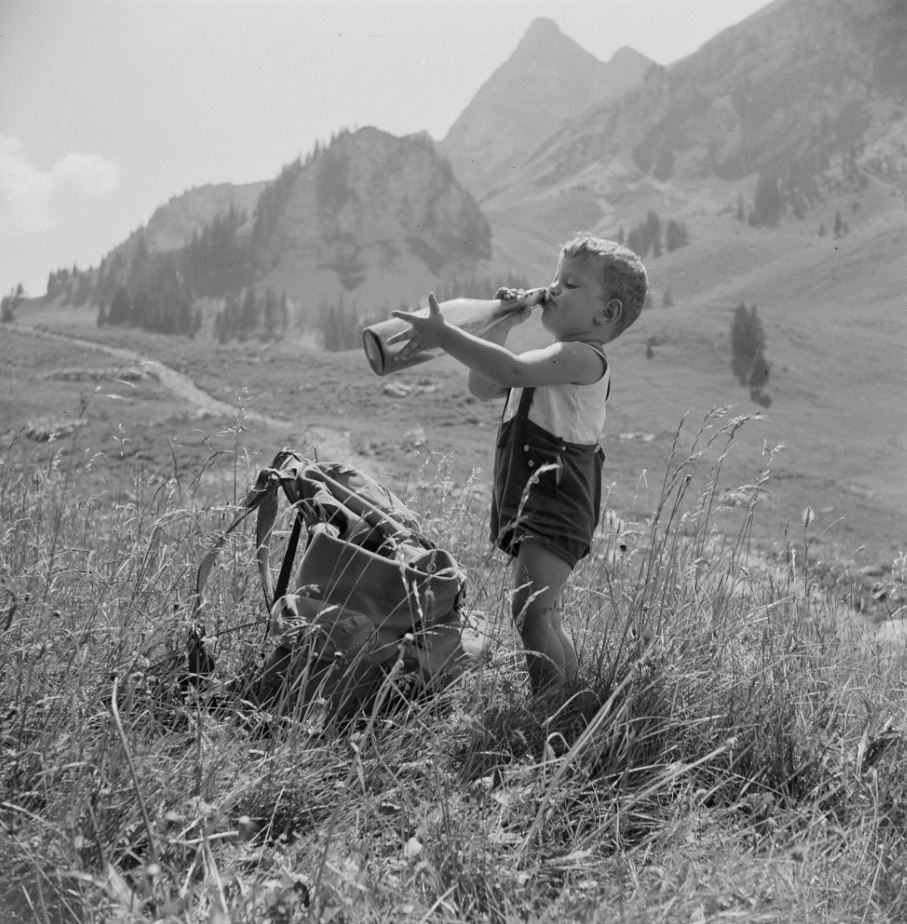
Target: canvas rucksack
x,y
368,591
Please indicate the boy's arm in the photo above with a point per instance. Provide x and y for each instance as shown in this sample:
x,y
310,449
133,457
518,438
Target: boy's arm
x,y
481,386
557,364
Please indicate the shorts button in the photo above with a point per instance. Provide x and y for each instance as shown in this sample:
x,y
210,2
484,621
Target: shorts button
x,y
526,447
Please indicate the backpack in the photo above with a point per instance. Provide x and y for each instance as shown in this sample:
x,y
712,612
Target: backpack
x,y
370,593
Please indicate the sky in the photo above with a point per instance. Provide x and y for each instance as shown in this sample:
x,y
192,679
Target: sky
x,y
109,108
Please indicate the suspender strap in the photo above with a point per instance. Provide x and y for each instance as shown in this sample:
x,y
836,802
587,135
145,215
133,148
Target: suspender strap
x,y
525,402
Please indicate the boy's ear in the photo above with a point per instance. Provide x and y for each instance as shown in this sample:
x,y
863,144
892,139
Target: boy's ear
x,y
612,310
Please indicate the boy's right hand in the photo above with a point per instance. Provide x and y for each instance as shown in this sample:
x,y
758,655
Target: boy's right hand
x,y
506,294
530,298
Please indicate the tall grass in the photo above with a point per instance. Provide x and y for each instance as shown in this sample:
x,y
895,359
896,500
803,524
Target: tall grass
x,y
741,758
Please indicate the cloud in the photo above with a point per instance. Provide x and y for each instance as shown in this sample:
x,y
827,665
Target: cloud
x,y
34,200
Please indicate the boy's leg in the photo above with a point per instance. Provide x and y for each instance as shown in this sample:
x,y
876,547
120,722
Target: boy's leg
x,y
571,664
538,579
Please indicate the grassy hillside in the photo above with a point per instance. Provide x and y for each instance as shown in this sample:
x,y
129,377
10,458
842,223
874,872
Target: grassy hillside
x,y
744,763
307,395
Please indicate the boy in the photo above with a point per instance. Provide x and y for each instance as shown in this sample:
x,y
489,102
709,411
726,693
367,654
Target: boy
x,y
547,471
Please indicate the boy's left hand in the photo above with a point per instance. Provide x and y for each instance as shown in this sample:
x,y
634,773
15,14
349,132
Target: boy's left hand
x,y
424,333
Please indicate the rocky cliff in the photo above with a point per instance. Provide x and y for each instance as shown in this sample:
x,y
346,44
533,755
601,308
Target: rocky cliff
x,y
377,219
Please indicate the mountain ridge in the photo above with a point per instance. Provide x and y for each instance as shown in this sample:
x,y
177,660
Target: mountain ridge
x,y
778,98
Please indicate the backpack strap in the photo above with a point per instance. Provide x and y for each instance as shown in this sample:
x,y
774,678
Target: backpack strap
x,y
263,498
320,492
286,566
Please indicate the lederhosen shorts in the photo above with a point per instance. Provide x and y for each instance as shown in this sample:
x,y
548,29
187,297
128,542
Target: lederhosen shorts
x,y
545,488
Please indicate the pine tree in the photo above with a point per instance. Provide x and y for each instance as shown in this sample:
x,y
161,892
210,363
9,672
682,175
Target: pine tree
x,y
653,233
139,266
636,242
248,318
283,313
120,308
768,205
748,348
676,235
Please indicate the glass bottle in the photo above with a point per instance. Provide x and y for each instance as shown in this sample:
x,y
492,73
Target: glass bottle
x,y
475,315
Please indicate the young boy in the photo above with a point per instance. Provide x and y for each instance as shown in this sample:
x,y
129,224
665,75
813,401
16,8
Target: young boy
x,y
547,489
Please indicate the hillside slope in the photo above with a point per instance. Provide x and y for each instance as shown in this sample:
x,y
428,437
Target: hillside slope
x,y
836,332
780,97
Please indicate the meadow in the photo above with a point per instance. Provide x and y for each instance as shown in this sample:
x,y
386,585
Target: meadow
x,y
745,763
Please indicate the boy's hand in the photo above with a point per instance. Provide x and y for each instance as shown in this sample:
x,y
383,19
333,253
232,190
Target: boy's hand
x,y
506,294
532,297
515,316
424,333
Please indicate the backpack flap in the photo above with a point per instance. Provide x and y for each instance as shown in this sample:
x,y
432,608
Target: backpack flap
x,y
361,495
398,596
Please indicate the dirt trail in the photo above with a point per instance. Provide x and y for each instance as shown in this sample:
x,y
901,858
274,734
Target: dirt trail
x,y
331,443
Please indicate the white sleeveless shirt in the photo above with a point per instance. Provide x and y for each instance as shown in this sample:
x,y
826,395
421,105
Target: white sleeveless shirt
x,y
576,413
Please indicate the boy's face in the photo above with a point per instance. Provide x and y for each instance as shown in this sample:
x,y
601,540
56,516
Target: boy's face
x,y
576,298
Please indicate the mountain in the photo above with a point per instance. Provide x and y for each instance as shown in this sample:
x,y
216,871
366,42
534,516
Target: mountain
x,y
363,225
547,80
786,93
375,219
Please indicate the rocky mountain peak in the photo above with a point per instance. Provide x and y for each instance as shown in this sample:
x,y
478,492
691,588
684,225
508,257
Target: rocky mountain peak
x,y
548,80
372,217
627,57
544,42
540,30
